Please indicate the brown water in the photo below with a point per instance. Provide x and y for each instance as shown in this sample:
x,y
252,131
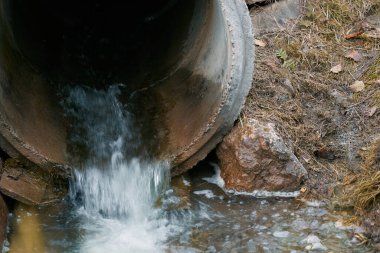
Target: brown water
x,y
200,217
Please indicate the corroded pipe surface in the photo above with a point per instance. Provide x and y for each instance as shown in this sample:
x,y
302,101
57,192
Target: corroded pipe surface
x,y
186,65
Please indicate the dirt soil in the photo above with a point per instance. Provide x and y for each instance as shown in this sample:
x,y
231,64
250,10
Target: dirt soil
x,y
318,80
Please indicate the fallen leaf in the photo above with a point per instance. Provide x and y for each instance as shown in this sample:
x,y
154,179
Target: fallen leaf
x,y
354,55
303,189
357,86
260,43
353,35
336,69
349,179
371,111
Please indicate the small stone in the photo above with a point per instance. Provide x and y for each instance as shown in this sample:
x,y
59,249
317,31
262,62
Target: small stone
x,y
314,243
251,246
357,86
260,43
273,17
311,239
281,234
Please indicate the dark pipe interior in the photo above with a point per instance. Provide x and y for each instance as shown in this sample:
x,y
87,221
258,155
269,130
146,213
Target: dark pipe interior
x,y
173,56
99,42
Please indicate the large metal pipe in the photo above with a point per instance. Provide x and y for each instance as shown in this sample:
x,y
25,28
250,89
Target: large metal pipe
x,y
187,66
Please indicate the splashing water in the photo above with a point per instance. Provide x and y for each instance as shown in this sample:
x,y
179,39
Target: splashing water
x,y
123,202
116,195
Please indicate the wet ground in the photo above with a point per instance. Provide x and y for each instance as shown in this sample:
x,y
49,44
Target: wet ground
x,y
201,218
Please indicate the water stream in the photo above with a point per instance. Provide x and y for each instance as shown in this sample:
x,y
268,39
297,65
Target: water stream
x,y
193,215
124,203
116,188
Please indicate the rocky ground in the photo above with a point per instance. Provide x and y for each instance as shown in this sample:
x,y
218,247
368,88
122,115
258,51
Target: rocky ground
x,y
317,84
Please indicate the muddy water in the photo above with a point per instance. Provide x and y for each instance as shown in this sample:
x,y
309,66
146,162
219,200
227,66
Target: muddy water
x,y
199,217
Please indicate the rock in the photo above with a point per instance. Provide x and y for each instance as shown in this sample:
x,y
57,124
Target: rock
x,y
3,220
273,17
254,1
22,186
255,157
31,185
281,234
251,246
357,86
314,243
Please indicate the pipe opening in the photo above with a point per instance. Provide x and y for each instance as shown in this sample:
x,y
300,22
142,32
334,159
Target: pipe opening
x,y
173,57
99,43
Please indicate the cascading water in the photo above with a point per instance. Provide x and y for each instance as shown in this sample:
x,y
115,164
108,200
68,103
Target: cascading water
x,y
116,195
123,203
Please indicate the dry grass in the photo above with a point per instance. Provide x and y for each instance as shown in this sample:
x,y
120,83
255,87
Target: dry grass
x,y
312,107
365,193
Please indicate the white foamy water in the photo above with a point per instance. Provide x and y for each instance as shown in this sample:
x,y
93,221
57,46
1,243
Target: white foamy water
x,y
118,206
218,180
117,193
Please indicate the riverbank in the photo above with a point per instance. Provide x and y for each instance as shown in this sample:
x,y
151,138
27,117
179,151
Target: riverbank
x,y
317,79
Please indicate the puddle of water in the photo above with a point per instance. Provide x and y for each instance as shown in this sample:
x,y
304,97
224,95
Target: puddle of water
x,y
27,237
202,218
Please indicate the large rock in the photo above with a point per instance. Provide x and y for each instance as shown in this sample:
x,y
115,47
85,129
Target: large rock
x,y
29,184
273,17
22,186
255,157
